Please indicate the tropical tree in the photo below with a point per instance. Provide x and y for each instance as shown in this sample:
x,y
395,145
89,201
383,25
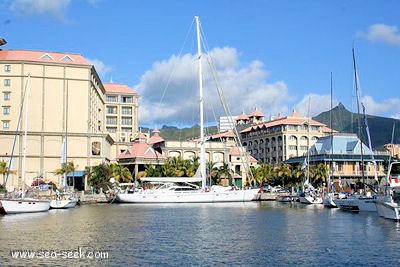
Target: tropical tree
x,y
283,171
263,173
225,173
66,167
99,176
298,174
212,172
319,173
120,172
4,170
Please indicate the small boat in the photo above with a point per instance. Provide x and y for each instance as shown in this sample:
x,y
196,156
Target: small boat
x,y
23,205
64,200
388,203
284,198
356,202
310,198
327,200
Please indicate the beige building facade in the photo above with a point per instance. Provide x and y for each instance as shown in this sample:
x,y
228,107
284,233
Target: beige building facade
x,y
65,101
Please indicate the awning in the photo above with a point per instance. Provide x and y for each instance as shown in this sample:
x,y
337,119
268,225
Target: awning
x,y
76,174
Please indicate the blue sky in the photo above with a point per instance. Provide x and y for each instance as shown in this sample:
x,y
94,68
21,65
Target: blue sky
x,y
276,56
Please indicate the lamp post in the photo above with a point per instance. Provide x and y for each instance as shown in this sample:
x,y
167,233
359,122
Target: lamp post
x,y
2,41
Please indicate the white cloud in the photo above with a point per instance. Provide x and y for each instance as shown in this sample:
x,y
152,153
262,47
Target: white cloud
x,y
169,91
313,104
391,106
101,68
41,7
382,33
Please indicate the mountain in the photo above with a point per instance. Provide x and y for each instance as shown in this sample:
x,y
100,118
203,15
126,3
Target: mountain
x,y
175,134
344,121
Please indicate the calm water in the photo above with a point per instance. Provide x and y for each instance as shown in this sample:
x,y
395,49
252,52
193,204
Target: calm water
x,y
237,234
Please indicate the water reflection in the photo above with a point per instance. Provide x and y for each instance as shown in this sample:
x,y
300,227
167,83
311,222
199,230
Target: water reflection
x,y
223,234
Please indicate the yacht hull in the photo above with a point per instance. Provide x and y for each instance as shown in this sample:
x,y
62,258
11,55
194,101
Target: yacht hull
x,y
387,210
26,205
152,196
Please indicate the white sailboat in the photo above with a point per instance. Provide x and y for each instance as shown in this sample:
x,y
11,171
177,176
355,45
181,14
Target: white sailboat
x,y
364,201
388,202
23,203
65,199
169,191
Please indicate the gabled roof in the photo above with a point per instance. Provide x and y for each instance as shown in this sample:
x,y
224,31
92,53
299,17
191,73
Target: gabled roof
x,y
118,88
256,113
235,151
141,150
292,119
339,144
242,117
43,56
156,138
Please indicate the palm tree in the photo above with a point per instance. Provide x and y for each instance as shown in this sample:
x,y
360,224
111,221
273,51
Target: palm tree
x,y
67,167
3,170
99,176
224,172
121,173
283,171
212,172
264,173
319,173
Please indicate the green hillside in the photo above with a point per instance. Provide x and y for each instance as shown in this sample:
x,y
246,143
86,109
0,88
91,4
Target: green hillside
x,y
380,128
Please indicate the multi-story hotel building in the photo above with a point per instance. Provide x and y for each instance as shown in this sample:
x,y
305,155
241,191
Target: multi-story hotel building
x,y
121,111
66,101
281,138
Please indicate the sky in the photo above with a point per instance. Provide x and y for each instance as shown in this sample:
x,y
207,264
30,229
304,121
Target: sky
x,y
275,56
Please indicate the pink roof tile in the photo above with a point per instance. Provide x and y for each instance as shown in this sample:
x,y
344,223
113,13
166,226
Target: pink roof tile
x,y
256,113
140,150
43,56
118,88
156,138
242,116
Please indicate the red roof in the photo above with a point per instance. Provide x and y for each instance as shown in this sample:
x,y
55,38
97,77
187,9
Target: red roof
x,y
43,56
292,119
242,116
118,88
256,113
156,138
140,150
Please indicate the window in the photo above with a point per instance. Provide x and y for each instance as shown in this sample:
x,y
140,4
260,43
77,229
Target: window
x,y
126,121
126,130
6,110
111,120
111,129
7,82
7,68
6,96
6,125
111,98
96,148
126,99
127,110
66,58
111,110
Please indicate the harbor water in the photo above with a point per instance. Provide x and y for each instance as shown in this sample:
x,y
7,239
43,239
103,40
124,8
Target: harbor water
x,y
232,234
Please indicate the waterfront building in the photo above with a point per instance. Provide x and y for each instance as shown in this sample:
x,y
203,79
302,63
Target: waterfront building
x,y
394,149
281,138
346,158
121,116
66,102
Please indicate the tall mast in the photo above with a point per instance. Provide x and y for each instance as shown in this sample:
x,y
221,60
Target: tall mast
x,y
25,131
201,102
359,119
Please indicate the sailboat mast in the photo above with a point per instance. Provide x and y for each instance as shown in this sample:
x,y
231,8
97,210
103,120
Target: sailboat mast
x,y
358,118
25,131
201,103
